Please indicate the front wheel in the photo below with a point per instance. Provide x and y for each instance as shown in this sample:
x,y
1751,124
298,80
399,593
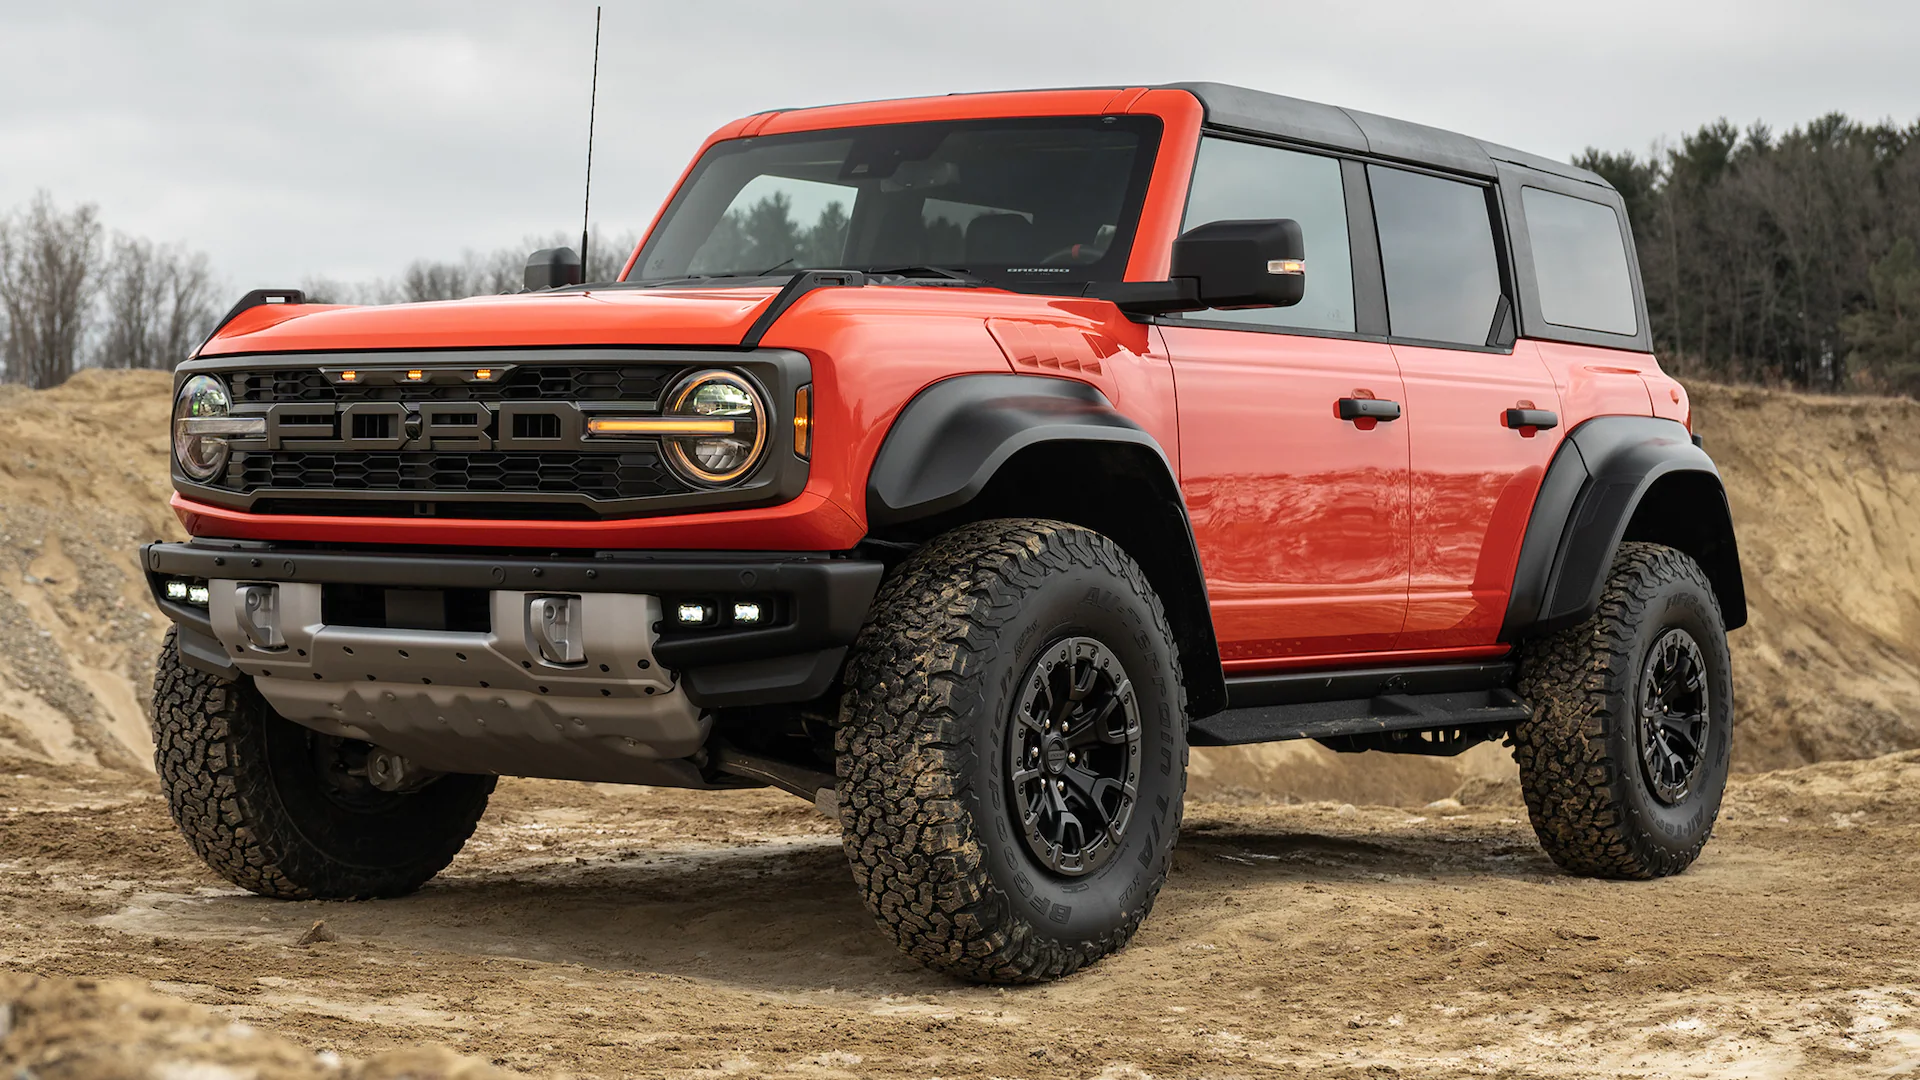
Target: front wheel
x,y
1625,759
1012,751
288,812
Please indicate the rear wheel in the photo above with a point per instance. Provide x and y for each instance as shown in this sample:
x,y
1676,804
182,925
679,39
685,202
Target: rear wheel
x,y
287,812
1625,759
1012,751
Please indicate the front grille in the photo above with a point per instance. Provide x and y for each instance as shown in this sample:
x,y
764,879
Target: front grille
x,y
532,382
634,473
482,434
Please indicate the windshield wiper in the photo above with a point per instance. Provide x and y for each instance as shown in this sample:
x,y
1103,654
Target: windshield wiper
x,y
942,272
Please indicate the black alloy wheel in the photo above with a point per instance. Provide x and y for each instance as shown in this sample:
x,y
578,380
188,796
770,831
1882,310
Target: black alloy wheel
x,y
1673,715
1625,758
1073,758
1012,751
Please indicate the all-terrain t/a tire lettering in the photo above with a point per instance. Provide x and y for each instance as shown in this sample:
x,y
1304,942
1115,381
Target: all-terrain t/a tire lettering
x,y
929,816
243,785
1597,805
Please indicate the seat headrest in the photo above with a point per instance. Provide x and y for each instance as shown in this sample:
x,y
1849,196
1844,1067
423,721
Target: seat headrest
x,y
999,239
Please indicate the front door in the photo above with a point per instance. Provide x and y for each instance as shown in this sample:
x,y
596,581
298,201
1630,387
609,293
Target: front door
x,y
1301,517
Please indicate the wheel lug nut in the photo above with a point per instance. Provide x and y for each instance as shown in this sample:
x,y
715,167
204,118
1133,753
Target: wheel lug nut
x,y
1073,759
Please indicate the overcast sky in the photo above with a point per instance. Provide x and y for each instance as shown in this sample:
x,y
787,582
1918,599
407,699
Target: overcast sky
x,y
344,139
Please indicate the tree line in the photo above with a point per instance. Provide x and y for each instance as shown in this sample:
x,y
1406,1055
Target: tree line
x,y
73,295
1785,258
1781,258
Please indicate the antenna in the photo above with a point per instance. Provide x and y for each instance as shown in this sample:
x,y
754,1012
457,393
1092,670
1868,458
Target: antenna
x,y
593,101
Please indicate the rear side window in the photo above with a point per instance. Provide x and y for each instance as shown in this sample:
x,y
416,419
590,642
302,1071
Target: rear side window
x,y
1580,262
1235,181
1436,247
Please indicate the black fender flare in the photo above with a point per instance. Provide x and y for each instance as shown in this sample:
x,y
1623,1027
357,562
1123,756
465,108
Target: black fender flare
x,y
1604,473
950,440
952,443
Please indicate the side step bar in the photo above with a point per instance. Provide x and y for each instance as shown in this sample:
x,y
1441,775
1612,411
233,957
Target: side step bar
x,y
1360,716
1440,709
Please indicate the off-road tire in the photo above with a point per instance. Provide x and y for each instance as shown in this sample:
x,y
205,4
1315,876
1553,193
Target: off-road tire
x,y
244,794
927,821
1587,791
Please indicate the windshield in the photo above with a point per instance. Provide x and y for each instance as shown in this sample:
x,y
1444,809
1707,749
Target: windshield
x,y
1022,203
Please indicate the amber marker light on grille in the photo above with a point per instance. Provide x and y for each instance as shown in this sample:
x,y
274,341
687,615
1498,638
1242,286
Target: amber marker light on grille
x,y
657,425
803,421
415,375
483,374
349,376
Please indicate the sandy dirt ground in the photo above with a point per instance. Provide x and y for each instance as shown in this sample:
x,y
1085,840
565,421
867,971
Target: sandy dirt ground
x,y
1322,919
629,932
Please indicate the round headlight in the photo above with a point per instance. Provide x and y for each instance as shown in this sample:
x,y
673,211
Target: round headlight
x,y
717,459
201,457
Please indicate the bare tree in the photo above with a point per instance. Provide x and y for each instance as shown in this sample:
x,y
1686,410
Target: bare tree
x,y
49,277
158,304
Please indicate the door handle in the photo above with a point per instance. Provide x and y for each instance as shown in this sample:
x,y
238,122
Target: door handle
x,y
1537,419
1359,408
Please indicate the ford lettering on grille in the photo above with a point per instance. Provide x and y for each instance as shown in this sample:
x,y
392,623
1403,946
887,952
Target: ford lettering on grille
x,y
427,425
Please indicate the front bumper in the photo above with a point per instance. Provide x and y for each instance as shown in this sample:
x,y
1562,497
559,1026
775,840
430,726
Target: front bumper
x,y
478,693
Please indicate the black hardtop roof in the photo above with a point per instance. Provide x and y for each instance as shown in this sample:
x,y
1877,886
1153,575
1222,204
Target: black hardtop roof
x,y
1257,112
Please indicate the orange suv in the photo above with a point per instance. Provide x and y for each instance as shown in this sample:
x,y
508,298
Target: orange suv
x,y
956,464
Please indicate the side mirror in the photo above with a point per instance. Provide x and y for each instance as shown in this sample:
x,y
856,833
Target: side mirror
x,y
1222,264
553,268
1244,264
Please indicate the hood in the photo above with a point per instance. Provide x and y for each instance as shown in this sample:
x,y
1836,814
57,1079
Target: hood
x,y
610,317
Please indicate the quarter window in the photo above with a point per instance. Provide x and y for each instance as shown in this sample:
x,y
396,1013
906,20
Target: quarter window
x,y
1580,262
1234,181
1436,247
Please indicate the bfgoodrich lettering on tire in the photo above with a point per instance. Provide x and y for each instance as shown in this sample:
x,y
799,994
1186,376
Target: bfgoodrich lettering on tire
x,y
1012,751
287,812
1625,759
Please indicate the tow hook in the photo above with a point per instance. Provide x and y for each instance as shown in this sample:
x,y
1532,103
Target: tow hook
x,y
389,771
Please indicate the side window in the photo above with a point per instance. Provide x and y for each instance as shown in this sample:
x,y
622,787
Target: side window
x,y
1580,263
1235,181
1436,247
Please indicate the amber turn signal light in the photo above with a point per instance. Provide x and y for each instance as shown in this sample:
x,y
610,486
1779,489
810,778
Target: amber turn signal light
x,y
803,421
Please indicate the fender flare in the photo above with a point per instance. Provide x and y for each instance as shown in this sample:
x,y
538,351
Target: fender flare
x,y
952,444
950,440
1599,478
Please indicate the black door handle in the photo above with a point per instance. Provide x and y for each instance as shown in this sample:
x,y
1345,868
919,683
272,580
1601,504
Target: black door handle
x,y
1537,419
1360,408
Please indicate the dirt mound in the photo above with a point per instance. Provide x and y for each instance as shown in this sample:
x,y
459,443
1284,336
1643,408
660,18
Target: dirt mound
x,y
83,481
86,1029
1825,491
1826,501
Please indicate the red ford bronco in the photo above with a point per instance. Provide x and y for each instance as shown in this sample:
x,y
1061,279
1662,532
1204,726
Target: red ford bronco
x,y
957,463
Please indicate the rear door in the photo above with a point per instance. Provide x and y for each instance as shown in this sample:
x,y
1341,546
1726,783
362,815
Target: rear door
x,y
1301,517
1474,478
